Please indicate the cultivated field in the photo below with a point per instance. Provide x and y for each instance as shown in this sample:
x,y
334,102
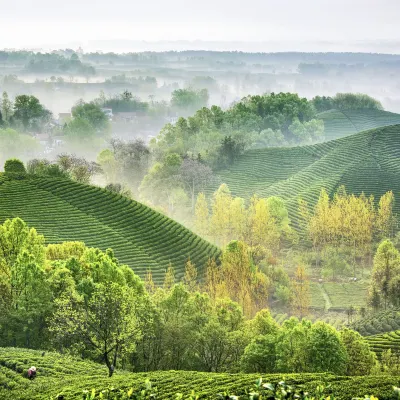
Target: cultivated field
x,y
59,374
364,162
63,210
340,123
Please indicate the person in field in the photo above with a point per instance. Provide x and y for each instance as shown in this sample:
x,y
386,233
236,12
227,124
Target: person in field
x,y
32,373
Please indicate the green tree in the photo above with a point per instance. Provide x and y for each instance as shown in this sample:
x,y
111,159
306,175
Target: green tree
x,y
30,112
260,355
14,166
106,323
189,99
326,351
6,107
93,114
79,129
360,359
386,267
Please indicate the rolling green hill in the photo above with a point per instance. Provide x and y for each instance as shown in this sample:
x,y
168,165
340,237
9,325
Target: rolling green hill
x,y
340,123
57,374
366,162
63,210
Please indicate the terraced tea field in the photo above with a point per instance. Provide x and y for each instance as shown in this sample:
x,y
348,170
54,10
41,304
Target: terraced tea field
x,y
63,210
385,341
338,296
366,162
57,374
344,123
381,322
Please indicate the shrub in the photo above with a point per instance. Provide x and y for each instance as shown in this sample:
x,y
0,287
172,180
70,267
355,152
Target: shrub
x,y
14,166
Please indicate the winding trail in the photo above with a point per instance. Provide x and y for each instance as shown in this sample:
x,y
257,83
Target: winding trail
x,y
328,303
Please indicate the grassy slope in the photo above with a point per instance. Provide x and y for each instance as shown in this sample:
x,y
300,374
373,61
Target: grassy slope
x,y
366,161
60,374
343,123
142,238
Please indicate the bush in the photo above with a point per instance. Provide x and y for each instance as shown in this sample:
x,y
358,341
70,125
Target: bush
x,y
14,166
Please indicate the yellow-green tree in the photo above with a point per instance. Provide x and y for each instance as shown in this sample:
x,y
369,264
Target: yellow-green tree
x,y
237,217
169,279
301,292
263,229
220,219
385,220
190,277
149,283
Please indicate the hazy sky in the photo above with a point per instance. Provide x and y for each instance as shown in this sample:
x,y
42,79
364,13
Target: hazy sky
x,y
54,22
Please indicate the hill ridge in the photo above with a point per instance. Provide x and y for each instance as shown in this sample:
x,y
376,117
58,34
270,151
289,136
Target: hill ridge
x,y
141,237
367,162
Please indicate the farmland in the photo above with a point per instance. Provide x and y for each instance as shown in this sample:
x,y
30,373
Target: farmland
x,y
385,341
381,322
142,238
340,123
65,375
364,162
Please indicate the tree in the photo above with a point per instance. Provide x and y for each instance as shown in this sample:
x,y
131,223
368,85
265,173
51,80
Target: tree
x,y
14,166
301,292
386,267
385,219
29,111
93,114
220,219
190,277
212,280
6,107
24,293
169,279
189,99
244,282
360,359
229,151
260,355
79,129
106,323
326,351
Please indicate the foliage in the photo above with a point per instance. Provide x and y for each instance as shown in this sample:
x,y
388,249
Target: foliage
x,y
346,101
30,112
14,166
264,223
189,99
385,274
221,136
88,119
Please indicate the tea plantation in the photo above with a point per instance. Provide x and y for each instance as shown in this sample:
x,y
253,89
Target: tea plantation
x,y
381,322
63,210
57,374
385,341
366,162
340,123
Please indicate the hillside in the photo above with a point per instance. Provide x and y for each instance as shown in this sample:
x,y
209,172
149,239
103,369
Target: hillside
x,y
385,341
57,374
378,323
340,123
366,162
63,210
